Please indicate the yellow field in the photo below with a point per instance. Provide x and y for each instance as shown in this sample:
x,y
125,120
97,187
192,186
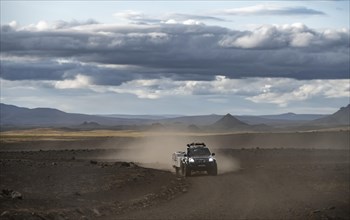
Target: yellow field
x,y
48,134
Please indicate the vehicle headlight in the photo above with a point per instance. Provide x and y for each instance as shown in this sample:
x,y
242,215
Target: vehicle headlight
x,y
191,160
211,159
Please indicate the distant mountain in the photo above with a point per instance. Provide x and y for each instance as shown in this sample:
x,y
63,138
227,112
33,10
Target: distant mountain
x,y
293,117
17,116
229,122
193,128
156,127
89,125
254,120
198,120
12,117
149,117
281,120
341,117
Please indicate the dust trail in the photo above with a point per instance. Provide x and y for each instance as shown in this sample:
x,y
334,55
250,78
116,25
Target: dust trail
x,y
153,152
226,164
156,152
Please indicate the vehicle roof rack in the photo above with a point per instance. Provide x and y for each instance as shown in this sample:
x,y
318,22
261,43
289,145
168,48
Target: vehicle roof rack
x,y
196,144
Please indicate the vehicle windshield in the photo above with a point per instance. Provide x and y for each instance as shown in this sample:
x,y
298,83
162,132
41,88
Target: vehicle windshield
x,y
199,151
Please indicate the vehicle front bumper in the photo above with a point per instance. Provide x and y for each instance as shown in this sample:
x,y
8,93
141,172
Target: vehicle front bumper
x,y
201,166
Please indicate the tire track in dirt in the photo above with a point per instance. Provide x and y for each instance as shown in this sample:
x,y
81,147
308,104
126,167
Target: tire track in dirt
x,y
257,192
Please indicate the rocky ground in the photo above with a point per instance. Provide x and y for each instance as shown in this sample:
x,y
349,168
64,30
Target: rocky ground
x,y
87,184
270,184
69,184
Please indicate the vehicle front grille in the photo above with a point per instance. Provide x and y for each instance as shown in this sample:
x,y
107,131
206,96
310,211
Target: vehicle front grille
x,y
199,161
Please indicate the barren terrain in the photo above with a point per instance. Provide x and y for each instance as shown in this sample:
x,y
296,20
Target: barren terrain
x,y
115,175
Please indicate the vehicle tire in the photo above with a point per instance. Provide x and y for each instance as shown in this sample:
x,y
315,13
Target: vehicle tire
x,y
213,171
177,170
182,169
187,171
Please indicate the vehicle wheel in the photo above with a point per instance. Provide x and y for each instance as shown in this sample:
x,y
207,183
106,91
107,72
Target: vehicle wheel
x,y
213,171
177,170
187,171
182,169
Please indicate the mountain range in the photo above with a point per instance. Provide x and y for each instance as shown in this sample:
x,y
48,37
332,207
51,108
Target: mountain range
x,y
14,116
17,116
341,117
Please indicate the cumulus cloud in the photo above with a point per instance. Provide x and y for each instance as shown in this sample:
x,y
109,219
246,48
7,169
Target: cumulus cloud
x,y
169,18
80,81
283,36
303,90
130,15
266,90
268,9
279,91
181,52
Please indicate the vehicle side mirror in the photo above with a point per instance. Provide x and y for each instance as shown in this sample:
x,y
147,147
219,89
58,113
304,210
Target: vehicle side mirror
x,y
213,154
185,155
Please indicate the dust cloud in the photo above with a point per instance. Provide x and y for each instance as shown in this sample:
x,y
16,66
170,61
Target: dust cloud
x,y
226,164
156,152
153,152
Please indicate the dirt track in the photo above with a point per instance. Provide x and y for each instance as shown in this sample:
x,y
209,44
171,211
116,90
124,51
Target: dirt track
x,y
273,184
270,184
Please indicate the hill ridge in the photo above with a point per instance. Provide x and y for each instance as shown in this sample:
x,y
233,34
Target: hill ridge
x,y
229,122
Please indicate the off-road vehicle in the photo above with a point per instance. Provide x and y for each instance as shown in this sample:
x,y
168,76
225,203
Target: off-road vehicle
x,y
197,158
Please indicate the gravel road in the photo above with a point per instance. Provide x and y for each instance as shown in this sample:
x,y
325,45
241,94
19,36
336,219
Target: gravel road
x,y
268,184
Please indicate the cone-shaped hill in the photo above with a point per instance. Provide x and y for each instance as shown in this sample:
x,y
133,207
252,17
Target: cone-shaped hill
x,y
229,122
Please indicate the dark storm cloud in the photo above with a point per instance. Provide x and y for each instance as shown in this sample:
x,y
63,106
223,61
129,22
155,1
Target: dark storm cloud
x,y
38,70
177,51
45,69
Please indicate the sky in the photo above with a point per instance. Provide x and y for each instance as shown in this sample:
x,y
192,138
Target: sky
x,y
176,57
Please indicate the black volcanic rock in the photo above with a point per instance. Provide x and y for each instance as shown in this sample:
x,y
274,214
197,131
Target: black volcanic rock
x,y
229,122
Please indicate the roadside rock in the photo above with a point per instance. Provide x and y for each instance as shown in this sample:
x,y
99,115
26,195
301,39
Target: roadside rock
x,y
127,164
331,207
96,212
5,213
93,161
9,193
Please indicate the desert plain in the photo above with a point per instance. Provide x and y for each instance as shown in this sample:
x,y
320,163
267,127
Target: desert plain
x,y
59,174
